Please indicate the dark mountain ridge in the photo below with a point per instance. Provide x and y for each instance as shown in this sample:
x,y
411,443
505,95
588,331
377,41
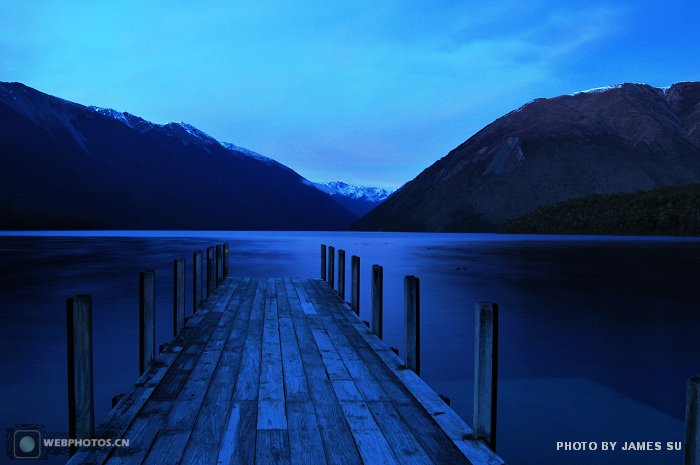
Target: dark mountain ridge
x,y
624,138
68,166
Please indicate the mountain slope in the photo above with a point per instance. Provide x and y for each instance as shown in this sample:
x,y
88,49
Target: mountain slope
x,y
358,199
65,165
620,139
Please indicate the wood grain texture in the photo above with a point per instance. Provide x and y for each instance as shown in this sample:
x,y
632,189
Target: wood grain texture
x,y
280,371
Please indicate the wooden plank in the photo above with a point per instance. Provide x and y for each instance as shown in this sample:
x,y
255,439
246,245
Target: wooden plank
x,y
238,442
305,444
179,414
408,450
213,416
179,423
248,379
368,386
123,415
306,305
295,385
335,368
369,438
271,411
272,447
338,444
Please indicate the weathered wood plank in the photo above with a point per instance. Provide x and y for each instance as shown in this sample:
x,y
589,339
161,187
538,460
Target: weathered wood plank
x,y
239,438
271,411
305,444
306,305
178,425
169,414
272,447
407,448
369,438
248,379
212,418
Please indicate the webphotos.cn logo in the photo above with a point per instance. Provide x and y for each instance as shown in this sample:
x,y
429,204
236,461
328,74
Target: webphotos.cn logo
x,y
25,442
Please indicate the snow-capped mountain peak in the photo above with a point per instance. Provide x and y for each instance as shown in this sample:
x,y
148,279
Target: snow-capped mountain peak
x,y
372,194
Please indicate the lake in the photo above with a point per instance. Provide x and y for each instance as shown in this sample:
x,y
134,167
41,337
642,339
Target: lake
x,y
598,335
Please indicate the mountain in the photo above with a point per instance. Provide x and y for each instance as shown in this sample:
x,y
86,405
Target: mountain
x,y
68,166
358,199
663,211
611,140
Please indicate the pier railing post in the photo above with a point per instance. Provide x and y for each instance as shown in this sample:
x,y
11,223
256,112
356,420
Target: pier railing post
x,y
486,372
226,252
692,422
197,281
377,299
323,262
219,264
210,271
341,273
355,284
178,295
411,287
331,267
147,319
81,404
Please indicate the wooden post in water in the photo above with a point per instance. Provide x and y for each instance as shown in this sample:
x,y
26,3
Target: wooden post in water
x,y
197,281
411,298
147,319
355,284
323,262
210,271
81,404
377,299
341,274
178,295
331,267
692,422
486,372
226,252
219,264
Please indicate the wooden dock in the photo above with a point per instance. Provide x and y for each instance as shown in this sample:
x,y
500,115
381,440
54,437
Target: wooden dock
x,y
272,371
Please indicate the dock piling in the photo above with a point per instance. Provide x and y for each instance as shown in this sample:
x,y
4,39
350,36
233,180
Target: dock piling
x,y
81,404
355,284
196,281
210,271
331,267
377,299
486,372
692,422
178,295
147,319
219,264
226,252
341,274
323,262
412,322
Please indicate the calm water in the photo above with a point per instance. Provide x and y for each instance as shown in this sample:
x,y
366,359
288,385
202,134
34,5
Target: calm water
x,y
598,335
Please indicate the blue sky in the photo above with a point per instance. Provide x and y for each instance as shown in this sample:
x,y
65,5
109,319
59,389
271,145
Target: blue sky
x,y
364,91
